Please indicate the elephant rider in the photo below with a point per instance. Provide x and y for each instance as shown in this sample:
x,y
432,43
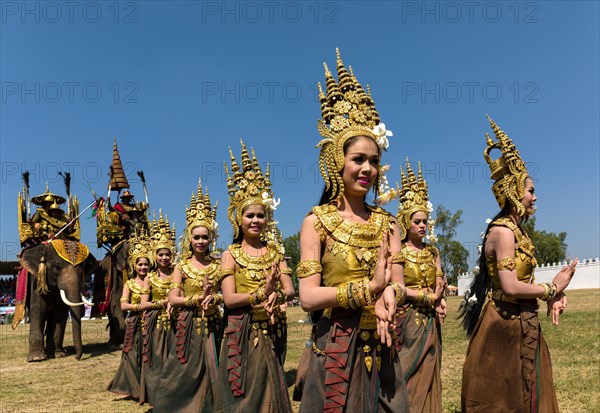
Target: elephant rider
x,y
131,214
50,219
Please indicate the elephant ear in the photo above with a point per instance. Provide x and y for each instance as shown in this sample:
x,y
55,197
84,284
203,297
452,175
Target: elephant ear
x,y
90,265
30,258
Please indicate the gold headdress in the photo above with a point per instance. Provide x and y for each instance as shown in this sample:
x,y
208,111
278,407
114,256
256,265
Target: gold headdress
x,y
139,246
248,186
508,171
199,214
413,197
348,111
162,235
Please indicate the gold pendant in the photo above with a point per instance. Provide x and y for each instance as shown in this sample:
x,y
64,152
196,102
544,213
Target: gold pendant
x,y
255,341
369,362
378,362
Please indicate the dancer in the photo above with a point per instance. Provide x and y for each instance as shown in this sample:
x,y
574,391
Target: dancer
x,y
346,266
127,378
189,379
158,331
256,281
508,365
417,321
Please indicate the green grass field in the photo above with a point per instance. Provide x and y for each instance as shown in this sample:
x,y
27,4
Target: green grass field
x,y
68,385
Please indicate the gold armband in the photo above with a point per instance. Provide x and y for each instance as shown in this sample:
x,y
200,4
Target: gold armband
x,y
398,258
507,263
287,271
307,268
400,292
176,285
224,273
124,299
439,274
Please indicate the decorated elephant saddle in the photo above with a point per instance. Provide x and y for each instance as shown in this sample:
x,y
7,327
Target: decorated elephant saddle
x,y
71,251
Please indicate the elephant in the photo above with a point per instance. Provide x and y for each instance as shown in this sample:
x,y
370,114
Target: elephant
x,y
57,271
109,279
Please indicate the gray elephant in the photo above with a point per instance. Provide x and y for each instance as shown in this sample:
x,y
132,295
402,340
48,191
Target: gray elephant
x,y
109,279
57,271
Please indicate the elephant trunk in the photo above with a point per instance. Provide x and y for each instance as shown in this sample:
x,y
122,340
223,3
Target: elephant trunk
x,y
76,315
70,291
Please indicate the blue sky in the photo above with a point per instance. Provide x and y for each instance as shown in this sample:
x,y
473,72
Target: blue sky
x,y
177,82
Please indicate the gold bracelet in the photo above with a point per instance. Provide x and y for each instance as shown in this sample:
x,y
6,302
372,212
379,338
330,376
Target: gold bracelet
x,y
189,301
252,299
430,300
352,296
341,295
400,292
217,298
136,307
261,294
369,296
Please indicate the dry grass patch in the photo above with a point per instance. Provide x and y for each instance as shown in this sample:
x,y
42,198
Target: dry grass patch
x,y
67,385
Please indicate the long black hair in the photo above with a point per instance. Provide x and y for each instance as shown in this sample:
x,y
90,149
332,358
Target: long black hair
x,y
479,287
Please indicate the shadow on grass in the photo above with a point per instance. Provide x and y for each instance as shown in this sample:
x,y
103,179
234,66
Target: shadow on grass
x,y
290,377
98,349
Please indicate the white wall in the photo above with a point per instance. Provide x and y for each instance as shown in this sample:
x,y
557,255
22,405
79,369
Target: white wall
x,y
587,275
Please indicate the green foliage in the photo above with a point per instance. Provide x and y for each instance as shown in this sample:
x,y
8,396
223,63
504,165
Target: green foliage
x,y
292,253
452,253
549,246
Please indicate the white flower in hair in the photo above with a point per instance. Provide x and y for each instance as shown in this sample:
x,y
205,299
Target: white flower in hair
x,y
487,221
429,206
381,133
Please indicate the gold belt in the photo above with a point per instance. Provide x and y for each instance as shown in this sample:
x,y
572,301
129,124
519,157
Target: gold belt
x,y
368,321
499,295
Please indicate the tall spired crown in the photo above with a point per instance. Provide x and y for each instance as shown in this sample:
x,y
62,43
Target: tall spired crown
x,y
347,111
140,246
200,211
508,170
118,180
247,186
413,197
162,235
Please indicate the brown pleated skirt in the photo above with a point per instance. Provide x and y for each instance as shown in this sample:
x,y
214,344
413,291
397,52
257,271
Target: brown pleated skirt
x,y
250,367
157,338
127,377
420,353
339,379
189,378
508,367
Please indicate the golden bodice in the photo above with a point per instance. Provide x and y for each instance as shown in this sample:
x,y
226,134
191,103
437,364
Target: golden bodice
x,y
250,271
351,248
193,278
135,291
159,287
419,266
524,256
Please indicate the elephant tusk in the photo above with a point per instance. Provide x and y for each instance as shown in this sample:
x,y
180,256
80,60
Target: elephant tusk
x,y
67,302
85,300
